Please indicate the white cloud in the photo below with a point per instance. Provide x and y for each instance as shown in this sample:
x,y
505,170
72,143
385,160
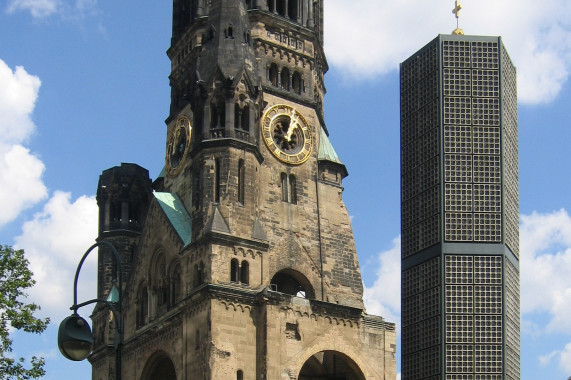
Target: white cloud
x,y
55,241
40,9
371,38
565,359
544,360
383,298
21,172
18,95
37,8
545,262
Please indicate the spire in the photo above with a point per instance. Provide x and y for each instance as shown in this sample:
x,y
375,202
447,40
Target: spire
x,y
227,51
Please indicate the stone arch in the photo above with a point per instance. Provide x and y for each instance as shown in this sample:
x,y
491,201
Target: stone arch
x,y
292,282
331,363
159,367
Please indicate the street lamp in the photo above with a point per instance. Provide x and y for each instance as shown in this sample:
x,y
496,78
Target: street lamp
x,y
74,335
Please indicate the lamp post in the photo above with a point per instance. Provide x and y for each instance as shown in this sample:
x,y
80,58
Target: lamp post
x,y
74,335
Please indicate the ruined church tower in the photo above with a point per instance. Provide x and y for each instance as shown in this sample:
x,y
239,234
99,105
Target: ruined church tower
x,y
241,264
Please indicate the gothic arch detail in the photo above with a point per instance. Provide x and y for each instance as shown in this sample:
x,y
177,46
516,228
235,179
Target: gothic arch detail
x,y
159,367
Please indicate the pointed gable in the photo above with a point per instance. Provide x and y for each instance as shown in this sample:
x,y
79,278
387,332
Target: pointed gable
x,y
176,214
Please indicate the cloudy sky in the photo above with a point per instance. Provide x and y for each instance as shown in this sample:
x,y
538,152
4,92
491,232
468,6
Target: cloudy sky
x,y
84,87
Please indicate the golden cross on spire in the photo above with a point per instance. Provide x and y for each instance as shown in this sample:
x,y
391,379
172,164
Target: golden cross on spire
x,y
456,12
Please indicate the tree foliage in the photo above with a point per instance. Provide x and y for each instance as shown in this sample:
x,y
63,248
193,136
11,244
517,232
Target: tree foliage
x,y
15,313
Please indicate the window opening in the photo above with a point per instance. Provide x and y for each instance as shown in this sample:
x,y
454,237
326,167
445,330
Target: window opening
x,y
234,270
239,375
273,74
284,76
297,83
245,273
217,180
281,7
241,181
292,189
293,10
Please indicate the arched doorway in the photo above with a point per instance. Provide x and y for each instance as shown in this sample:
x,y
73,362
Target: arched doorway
x,y
159,367
330,365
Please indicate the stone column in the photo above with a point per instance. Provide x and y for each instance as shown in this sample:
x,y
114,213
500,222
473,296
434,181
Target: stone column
x,y
310,17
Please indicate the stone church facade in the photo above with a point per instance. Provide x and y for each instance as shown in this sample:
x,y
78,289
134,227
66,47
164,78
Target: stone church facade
x,y
239,260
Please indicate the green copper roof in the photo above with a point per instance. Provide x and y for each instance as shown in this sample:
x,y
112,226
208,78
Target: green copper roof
x,y
326,151
162,174
176,214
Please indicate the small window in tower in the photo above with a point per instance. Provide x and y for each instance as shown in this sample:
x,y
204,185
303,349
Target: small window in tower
x,y
142,306
271,5
201,273
297,83
245,119
196,190
234,270
273,74
229,32
284,182
214,120
239,375
289,188
292,189
217,180
293,10
245,273
175,286
281,7
285,79
241,181
197,340
196,276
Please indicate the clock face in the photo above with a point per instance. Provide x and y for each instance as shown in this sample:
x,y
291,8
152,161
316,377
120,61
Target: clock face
x,y
287,134
178,145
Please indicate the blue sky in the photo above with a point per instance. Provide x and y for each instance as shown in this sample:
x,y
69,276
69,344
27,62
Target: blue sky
x,y
84,87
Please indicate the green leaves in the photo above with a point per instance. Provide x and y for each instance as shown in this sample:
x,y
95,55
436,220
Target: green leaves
x,y
15,278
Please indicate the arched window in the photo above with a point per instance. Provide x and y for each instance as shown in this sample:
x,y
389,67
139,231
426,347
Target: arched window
x,y
284,77
217,113
174,286
229,32
245,273
292,189
241,181
273,74
214,122
293,10
239,375
297,83
245,116
142,306
281,7
196,276
289,188
234,270
217,180
285,186
201,273
293,283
